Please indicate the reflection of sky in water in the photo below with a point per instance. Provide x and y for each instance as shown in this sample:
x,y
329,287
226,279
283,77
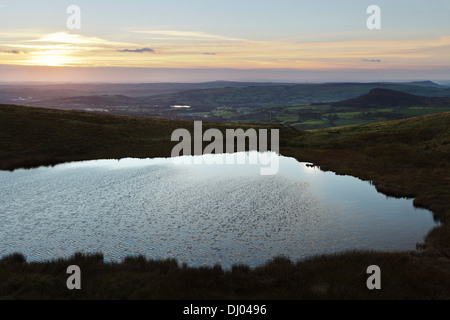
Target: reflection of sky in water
x,y
199,214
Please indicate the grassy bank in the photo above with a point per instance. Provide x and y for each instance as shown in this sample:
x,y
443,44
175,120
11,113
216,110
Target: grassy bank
x,y
339,276
404,158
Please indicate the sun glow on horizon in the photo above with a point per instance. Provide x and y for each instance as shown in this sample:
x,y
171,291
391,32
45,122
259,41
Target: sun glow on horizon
x,y
66,49
330,38
50,59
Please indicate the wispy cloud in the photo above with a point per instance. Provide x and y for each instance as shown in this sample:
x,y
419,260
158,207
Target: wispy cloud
x,y
66,49
372,60
204,50
12,51
149,50
186,35
77,39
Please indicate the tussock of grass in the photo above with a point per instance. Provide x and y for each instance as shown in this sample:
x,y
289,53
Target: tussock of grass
x,y
14,259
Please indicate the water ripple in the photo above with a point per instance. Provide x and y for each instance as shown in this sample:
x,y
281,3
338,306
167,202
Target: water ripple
x,y
199,216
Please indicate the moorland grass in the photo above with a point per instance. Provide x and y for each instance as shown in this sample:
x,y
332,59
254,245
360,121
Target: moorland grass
x,y
402,158
335,276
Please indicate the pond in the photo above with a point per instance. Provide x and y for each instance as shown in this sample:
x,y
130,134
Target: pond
x,y
199,214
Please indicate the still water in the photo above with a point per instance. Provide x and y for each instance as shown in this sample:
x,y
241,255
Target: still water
x,y
198,214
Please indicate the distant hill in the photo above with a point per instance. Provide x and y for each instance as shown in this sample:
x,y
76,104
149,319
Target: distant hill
x,y
379,98
426,83
260,96
205,95
445,84
103,100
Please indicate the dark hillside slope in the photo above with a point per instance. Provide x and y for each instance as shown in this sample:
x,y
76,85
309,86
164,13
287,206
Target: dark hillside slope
x,y
31,137
385,98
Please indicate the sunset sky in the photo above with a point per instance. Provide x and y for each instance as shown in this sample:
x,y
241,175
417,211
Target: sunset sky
x,y
175,40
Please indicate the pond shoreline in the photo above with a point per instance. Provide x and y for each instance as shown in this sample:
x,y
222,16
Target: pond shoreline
x,y
200,213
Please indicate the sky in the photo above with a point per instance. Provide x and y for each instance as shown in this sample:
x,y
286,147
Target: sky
x,y
204,40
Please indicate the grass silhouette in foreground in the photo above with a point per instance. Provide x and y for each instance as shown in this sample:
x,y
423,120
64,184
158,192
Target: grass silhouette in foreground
x,y
402,158
337,276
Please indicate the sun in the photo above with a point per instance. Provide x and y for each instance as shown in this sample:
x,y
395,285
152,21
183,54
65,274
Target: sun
x,y
53,58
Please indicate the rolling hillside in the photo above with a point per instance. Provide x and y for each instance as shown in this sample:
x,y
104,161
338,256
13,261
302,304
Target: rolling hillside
x,y
385,98
245,95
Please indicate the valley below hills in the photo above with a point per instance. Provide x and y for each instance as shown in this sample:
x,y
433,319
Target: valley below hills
x,y
302,106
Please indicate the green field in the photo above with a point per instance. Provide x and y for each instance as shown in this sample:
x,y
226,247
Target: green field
x,y
304,106
323,116
306,117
